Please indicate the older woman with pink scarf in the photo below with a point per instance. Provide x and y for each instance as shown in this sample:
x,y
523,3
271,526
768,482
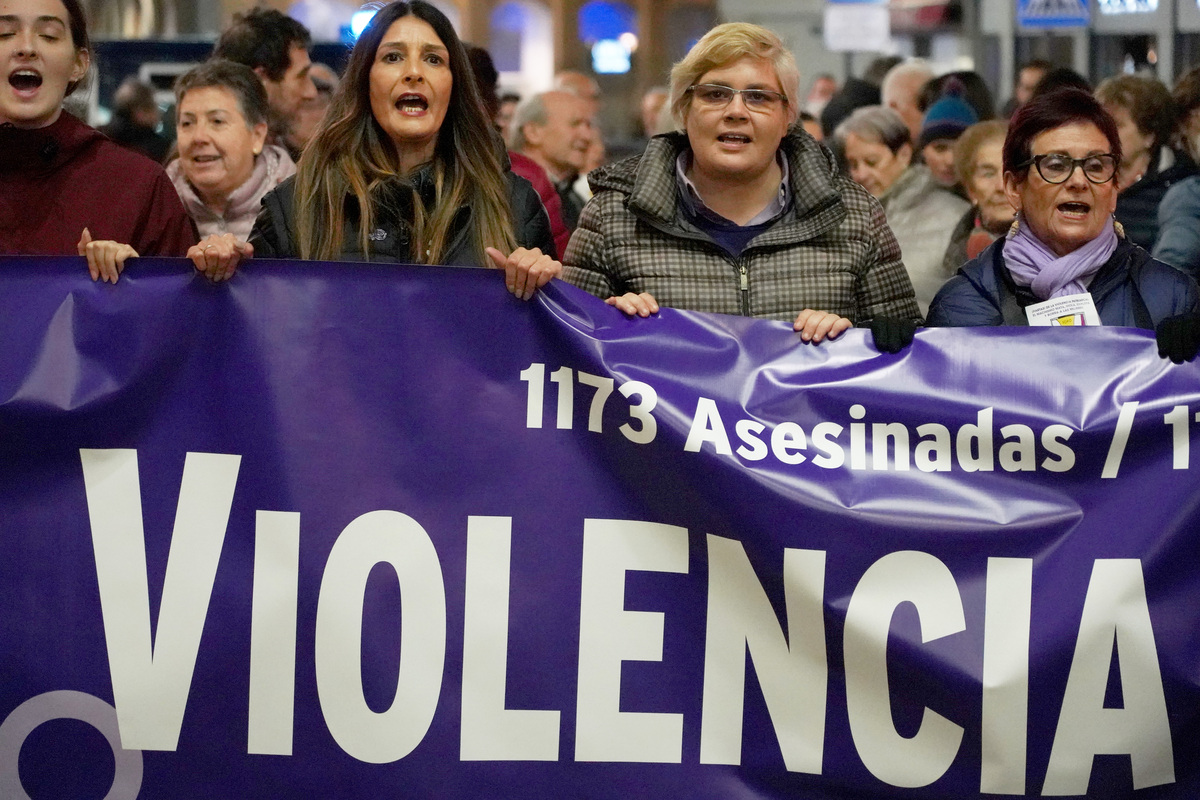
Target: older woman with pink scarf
x,y
225,165
1065,261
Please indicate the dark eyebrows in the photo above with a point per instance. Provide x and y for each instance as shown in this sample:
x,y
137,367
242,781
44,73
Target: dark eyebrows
x,y
1065,154
14,19
425,48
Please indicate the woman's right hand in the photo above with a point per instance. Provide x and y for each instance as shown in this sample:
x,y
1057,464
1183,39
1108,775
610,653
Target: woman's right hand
x,y
635,304
218,255
106,258
525,270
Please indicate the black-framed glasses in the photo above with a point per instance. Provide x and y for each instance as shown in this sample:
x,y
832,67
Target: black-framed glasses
x,y
1058,167
714,95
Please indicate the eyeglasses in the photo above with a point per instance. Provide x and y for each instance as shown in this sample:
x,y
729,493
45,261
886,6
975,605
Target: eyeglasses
x,y
714,95
1058,167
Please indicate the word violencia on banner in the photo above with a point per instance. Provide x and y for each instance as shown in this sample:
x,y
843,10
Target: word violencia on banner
x,y
381,527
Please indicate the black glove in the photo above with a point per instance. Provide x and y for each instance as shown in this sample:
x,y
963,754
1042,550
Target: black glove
x,y
892,334
1178,337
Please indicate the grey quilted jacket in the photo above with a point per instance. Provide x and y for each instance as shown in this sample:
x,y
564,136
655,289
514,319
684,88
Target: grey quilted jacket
x,y
832,250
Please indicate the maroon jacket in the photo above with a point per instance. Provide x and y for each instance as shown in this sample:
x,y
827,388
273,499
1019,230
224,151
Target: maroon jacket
x,y
57,180
531,171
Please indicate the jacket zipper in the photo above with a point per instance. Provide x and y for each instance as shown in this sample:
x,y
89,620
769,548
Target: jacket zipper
x,y
744,286
738,263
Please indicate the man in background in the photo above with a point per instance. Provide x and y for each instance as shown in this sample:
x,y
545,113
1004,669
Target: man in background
x,y
508,105
901,91
1028,77
312,112
586,88
275,46
135,121
653,102
582,86
820,92
555,130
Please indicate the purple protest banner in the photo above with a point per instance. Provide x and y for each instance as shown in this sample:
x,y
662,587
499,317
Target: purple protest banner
x,y
336,530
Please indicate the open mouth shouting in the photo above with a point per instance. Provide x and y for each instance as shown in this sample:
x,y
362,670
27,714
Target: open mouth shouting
x,y
412,104
26,82
1075,209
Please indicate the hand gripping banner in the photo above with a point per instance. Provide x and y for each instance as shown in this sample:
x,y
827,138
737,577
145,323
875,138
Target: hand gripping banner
x,y
350,531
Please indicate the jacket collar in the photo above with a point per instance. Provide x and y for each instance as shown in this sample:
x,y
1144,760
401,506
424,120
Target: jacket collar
x,y
997,282
45,149
649,181
694,205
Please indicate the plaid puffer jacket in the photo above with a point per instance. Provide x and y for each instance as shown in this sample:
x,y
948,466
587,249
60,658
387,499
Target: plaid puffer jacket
x,y
832,249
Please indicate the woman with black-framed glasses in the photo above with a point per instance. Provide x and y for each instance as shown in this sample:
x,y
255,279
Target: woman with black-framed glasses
x,y
1066,261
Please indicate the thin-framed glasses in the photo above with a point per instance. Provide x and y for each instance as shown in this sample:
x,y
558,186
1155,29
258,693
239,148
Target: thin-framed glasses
x,y
714,95
1058,167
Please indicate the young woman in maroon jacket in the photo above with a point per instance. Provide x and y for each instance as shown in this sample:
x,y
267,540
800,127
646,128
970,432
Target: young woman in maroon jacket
x,y
65,189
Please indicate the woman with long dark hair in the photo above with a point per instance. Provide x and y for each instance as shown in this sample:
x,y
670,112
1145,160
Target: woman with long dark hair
x,y
407,167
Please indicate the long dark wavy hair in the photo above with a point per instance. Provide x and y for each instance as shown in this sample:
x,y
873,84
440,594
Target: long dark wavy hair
x,y
352,156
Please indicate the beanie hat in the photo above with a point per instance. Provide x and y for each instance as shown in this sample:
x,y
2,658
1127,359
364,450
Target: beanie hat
x,y
949,116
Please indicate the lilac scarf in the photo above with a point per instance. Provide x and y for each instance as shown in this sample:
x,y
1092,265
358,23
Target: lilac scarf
x,y
1034,265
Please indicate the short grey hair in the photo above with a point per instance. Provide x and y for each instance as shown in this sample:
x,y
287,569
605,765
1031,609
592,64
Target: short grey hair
x,y
916,70
530,111
875,124
241,81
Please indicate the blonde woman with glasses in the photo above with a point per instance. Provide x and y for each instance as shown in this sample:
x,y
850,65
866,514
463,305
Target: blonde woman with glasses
x,y
741,212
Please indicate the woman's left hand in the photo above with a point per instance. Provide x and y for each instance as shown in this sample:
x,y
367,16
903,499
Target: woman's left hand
x,y
105,257
816,326
525,271
218,255
1179,337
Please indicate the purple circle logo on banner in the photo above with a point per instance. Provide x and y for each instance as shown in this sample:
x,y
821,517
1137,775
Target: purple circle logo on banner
x,y
25,718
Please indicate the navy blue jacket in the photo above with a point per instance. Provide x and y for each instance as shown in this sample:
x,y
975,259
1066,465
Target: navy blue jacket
x,y
1131,290
1137,205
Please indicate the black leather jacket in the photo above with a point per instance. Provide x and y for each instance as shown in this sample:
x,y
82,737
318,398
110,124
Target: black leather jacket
x,y
274,234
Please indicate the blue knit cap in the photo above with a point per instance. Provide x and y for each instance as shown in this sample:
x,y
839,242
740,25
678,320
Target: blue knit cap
x,y
949,116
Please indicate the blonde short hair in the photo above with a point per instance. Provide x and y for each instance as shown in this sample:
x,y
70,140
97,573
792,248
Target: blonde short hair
x,y
724,45
972,139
